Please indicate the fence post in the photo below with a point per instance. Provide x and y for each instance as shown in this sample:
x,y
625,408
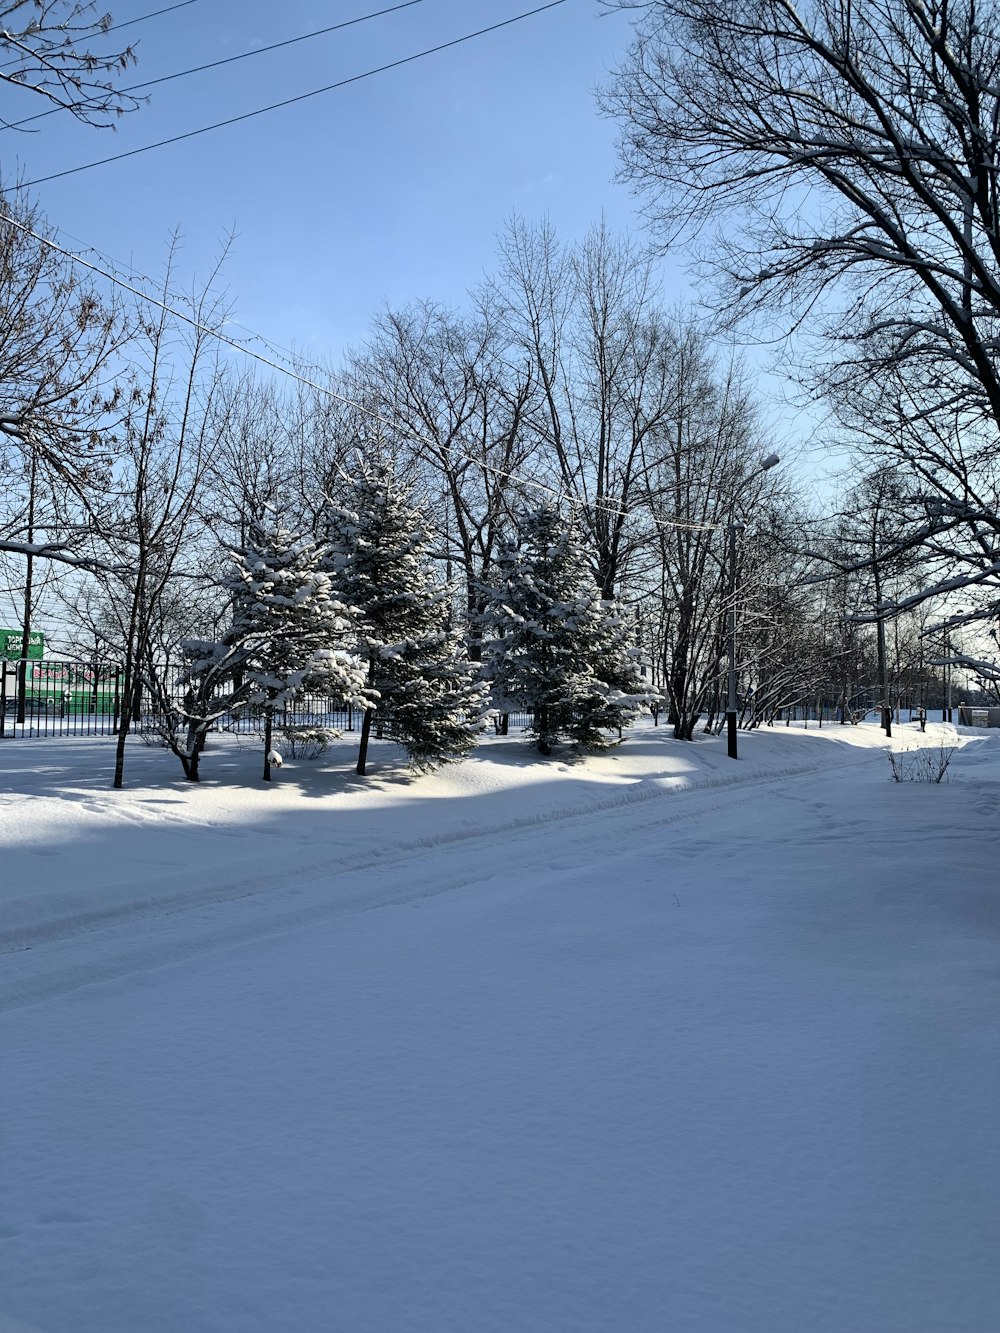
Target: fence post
x,y
117,699
22,689
3,698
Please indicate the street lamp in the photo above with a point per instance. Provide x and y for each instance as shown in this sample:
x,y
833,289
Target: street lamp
x,y
732,528
954,620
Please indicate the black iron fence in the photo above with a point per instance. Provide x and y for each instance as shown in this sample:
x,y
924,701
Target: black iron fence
x,y
45,698
75,698
48,698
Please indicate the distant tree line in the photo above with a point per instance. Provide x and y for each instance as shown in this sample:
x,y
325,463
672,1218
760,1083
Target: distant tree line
x,y
522,505
525,502
156,499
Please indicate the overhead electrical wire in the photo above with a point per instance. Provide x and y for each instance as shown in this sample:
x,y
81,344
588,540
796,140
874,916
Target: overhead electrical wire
x,y
155,14
117,267
557,494
291,101
230,60
292,358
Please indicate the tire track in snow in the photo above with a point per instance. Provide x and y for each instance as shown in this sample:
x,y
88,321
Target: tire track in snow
x,y
167,934
240,886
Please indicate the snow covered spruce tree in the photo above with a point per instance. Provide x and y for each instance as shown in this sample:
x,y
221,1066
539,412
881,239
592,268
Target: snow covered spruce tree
x,y
292,630
554,645
423,687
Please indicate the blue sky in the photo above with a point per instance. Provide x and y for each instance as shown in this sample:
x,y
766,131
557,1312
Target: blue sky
x,y
390,189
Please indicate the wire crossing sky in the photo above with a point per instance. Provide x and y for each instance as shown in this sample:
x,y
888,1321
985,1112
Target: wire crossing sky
x,y
231,60
291,101
391,190
394,190
661,521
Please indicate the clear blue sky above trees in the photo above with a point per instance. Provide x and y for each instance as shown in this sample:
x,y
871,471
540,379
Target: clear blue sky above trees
x,y
391,188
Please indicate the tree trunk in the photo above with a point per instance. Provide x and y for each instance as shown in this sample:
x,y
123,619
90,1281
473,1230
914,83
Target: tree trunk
x,y
883,672
366,728
544,735
190,761
366,725
133,655
124,722
268,720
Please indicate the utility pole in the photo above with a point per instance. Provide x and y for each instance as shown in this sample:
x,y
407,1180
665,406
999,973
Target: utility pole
x,y
23,668
883,669
732,747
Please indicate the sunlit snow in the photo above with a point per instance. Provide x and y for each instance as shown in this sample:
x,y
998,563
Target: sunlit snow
x,y
651,1042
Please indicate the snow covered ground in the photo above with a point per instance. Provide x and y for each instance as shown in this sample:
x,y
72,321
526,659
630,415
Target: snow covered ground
x,y
651,1041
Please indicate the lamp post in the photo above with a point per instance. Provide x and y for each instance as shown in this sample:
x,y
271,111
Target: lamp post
x,y
732,528
954,621
883,662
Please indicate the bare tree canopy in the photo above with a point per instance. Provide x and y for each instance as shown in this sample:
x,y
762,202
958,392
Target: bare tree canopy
x,y
890,105
45,50
843,160
59,393
890,108
589,322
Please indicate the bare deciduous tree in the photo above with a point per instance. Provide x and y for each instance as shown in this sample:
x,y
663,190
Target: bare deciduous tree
x,y
589,324
455,410
886,112
146,540
698,462
843,160
251,467
58,393
45,50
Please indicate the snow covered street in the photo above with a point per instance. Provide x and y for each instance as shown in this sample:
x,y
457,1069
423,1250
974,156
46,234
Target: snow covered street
x,y
646,1042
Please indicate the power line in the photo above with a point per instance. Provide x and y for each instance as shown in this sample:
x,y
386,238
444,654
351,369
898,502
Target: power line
x,y
118,267
127,23
302,97
229,60
114,28
507,474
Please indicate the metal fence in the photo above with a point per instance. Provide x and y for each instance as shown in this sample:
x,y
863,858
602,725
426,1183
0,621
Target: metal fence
x,y
48,698
45,698
72,698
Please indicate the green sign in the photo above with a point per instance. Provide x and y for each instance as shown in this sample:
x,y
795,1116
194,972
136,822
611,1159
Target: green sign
x,y
11,641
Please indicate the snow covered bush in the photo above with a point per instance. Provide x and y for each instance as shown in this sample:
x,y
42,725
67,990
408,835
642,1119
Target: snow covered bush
x,y
554,646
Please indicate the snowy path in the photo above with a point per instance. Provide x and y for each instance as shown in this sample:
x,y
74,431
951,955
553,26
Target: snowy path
x,y
699,1061
152,932
138,873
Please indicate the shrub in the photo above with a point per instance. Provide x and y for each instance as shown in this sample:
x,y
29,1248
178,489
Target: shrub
x,y
307,742
929,763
